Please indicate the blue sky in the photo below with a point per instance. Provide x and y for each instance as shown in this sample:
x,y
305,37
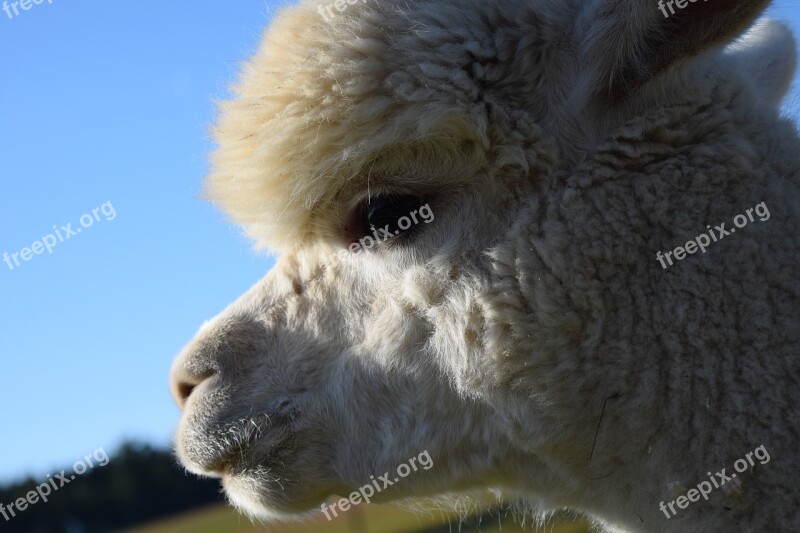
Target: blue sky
x,y
111,102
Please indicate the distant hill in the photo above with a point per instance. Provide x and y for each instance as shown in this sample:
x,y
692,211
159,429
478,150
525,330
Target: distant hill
x,y
138,485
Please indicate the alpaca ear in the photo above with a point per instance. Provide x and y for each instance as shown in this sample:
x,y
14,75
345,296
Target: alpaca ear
x,y
767,56
628,42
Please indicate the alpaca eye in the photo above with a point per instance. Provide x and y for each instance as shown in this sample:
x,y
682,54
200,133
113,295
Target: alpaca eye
x,y
387,210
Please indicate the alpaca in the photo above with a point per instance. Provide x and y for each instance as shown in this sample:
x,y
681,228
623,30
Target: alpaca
x,y
529,337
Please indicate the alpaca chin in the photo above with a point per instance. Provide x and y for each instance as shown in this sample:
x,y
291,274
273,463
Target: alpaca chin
x,y
262,497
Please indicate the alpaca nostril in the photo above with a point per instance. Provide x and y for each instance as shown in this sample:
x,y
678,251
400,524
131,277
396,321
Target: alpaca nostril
x,y
183,383
184,391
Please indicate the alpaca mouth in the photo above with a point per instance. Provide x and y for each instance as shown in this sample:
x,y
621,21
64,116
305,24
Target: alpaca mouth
x,y
233,446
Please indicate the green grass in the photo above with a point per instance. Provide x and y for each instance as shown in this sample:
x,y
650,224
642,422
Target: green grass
x,y
361,519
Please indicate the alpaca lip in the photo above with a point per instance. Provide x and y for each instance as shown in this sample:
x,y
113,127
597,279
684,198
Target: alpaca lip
x,y
215,451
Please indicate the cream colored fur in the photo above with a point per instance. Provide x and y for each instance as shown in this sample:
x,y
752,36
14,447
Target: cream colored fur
x,y
527,338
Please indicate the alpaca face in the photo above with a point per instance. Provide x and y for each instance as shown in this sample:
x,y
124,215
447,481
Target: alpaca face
x,y
341,366
370,342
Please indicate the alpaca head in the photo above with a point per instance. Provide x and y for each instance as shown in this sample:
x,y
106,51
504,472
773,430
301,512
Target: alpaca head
x,y
397,155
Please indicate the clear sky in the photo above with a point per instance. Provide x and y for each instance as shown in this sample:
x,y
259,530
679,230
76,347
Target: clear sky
x,y
101,102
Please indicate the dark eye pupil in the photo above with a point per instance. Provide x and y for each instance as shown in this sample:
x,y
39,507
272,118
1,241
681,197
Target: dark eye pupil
x,y
388,209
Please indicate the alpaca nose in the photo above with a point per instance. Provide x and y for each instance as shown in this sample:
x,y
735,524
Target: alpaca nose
x,y
183,382
220,352
193,366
